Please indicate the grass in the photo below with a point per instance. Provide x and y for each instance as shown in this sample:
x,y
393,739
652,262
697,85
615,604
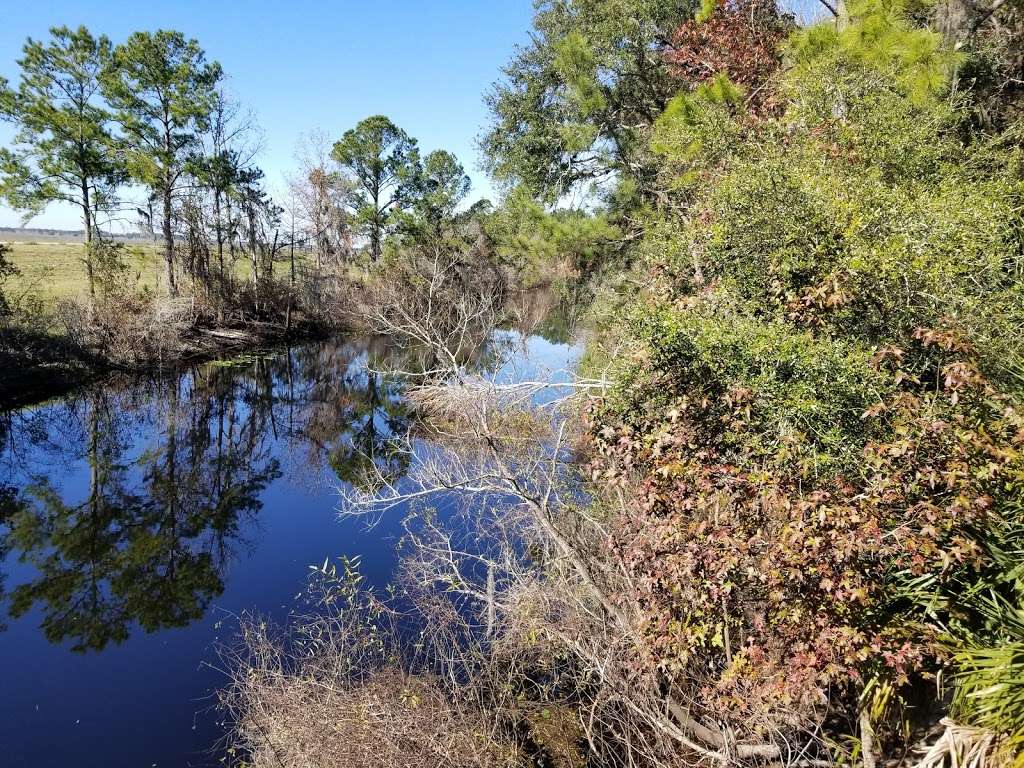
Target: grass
x,y
52,271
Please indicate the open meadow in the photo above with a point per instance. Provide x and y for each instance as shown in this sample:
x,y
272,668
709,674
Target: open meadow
x,y
53,270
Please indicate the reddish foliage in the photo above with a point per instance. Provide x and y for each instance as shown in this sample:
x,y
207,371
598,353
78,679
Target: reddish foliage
x,y
741,39
767,592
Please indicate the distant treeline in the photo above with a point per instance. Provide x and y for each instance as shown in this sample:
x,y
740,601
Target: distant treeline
x,y
69,234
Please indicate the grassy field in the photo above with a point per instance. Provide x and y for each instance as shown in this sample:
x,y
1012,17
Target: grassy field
x,y
52,270
55,270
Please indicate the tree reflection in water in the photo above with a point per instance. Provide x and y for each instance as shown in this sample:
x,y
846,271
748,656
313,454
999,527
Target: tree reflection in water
x,y
353,418
173,472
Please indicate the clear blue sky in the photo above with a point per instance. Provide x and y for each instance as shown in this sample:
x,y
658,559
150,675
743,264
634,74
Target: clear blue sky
x,y
322,64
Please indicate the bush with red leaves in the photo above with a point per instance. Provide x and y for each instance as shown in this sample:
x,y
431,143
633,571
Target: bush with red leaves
x,y
771,596
741,39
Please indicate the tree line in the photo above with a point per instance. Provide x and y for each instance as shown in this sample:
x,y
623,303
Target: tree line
x,y
95,121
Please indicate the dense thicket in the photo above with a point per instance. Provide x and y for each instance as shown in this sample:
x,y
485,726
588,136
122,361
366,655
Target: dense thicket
x,y
817,413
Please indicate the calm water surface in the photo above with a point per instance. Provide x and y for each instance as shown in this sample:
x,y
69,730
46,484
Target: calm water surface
x,y
139,518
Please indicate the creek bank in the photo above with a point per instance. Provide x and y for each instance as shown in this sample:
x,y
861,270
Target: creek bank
x,y
36,366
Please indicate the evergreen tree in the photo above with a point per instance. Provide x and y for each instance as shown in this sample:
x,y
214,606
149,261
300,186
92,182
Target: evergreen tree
x,y
384,160
440,186
163,91
575,103
64,145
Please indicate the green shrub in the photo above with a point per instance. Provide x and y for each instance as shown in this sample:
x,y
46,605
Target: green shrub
x,y
6,270
818,402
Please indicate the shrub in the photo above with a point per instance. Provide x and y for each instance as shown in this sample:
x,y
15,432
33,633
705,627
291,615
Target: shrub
x,y
6,270
818,408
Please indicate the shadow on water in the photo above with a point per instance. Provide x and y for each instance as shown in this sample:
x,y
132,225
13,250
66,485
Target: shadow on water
x,y
146,542
138,515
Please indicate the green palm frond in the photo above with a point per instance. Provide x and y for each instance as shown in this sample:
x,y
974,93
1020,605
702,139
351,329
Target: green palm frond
x,y
990,676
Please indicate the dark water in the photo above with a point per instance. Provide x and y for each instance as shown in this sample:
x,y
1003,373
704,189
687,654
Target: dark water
x,y
139,518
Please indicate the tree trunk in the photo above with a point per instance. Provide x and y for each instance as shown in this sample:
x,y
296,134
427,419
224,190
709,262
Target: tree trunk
x,y
291,284
231,234
254,257
90,273
172,288
219,229
867,740
273,254
375,240
378,224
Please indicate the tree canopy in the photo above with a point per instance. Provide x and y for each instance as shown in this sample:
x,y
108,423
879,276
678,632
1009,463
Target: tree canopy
x,y
384,161
163,91
64,146
575,103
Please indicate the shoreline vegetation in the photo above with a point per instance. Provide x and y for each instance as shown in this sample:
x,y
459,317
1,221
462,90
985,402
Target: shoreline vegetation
x,y
98,124
776,518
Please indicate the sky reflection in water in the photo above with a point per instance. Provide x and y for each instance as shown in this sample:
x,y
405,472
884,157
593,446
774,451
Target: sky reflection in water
x,y
138,518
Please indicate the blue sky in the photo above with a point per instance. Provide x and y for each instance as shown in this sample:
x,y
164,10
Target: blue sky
x,y
321,65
